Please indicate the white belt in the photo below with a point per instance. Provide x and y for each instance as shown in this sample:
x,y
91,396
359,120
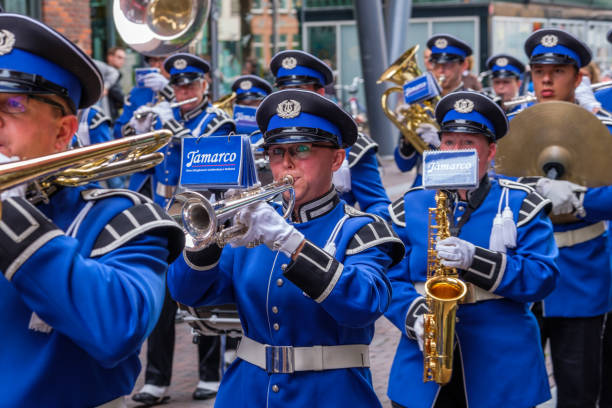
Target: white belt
x,y
475,294
288,359
580,235
116,403
164,190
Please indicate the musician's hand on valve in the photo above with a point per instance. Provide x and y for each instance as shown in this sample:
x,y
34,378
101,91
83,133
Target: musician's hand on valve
x,y
142,120
266,225
563,194
18,191
155,81
163,111
342,178
455,252
429,134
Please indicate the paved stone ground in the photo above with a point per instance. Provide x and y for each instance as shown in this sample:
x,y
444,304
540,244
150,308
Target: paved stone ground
x,y
382,349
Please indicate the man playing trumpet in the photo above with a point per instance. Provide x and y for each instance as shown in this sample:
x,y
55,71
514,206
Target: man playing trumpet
x,y
309,297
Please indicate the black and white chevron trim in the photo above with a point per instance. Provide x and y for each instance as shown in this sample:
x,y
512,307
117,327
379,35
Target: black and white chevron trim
x,y
100,193
204,259
128,130
176,128
129,224
167,93
417,308
398,212
374,234
359,148
23,231
487,269
98,119
314,271
529,181
216,123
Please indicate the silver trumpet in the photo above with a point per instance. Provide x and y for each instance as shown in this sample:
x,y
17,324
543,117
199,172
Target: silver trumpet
x,y
203,221
142,115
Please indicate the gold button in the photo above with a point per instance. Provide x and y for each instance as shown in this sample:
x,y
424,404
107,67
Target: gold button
x,y
274,309
279,282
276,326
275,388
284,267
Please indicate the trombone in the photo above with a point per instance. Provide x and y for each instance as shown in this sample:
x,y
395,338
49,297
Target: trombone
x,y
86,164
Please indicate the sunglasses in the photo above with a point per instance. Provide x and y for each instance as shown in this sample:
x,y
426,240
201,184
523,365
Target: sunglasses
x,y
15,104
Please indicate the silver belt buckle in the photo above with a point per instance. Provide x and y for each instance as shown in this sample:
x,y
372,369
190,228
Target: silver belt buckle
x,y
279,359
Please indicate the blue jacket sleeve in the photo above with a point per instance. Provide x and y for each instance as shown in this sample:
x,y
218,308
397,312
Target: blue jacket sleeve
x,y
406,157
108,305
362,292
208,282
367,187
528,272
598,203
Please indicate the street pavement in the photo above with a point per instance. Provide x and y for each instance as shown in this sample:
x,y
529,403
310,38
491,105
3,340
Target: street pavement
x,y
382,349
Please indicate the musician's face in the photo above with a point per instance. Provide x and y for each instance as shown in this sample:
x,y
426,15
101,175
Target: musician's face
x,y
484,148
554,82
312,173
452,72
194,89
506,88
34,128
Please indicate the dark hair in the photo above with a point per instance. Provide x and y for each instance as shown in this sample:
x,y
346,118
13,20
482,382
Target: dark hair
x,y
113,50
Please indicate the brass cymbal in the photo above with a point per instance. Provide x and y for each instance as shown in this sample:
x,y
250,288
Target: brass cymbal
x,y
559,135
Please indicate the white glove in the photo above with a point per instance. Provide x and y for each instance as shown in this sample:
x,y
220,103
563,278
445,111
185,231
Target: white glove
x,y
562,194
18,191
419,331
155,81
429,134
145,123
163,111
342,178
455,252
585,96
267,226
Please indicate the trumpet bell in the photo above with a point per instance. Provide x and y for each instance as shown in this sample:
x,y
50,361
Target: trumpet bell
x,y
159,27
403,69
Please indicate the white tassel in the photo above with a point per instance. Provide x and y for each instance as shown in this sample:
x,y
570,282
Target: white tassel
x,y
509,228
496,240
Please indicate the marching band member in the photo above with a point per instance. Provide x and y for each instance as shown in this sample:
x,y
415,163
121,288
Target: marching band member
x,y
327,263
574,311
358,179
498,361
193,119
506,74
448,58
250,92
82,273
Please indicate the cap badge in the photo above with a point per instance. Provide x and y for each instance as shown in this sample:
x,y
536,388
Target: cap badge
x,y
246,85
441,43
549,40
464,106
501,62
289,63
180,63
7,40
289,108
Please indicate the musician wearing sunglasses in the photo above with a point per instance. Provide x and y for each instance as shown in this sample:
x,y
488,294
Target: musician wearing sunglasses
x,y
574,313
358,179
308,295
502,247
82,268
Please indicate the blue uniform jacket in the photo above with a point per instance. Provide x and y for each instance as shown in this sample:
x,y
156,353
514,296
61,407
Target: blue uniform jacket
x,y
100,296
268,289
203,120
499,341
94,127
366,184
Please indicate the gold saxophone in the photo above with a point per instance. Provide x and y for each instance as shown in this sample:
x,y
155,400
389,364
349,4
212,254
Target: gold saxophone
x,y
444,291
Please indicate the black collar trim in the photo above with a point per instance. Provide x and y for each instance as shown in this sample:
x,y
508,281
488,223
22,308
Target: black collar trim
x,y
197,110
317,207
